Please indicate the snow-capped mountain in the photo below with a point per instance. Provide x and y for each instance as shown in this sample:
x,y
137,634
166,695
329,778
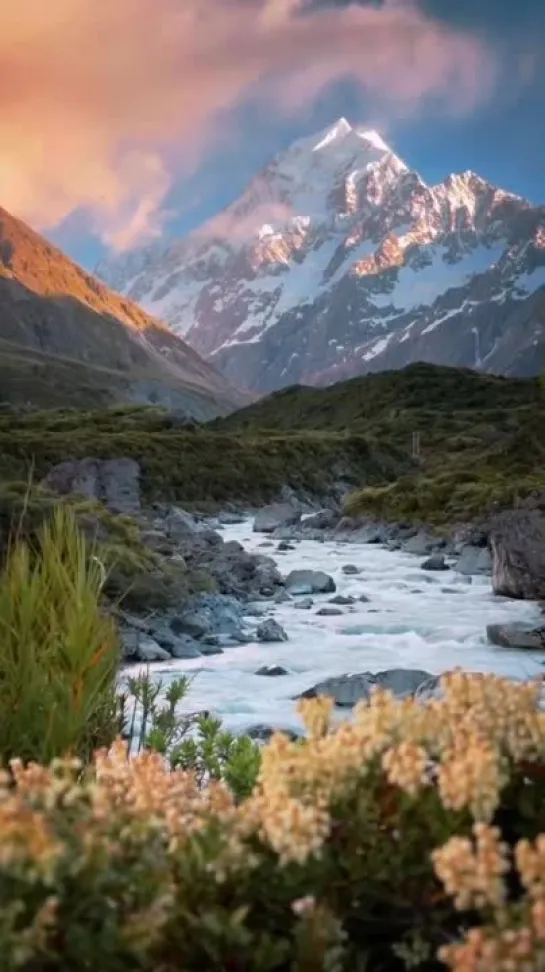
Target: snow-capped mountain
x,y
338,259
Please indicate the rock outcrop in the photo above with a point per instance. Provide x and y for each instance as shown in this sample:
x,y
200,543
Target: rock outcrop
x,y
517,546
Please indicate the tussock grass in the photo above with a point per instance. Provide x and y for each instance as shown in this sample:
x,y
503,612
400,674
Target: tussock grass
x,y
58,650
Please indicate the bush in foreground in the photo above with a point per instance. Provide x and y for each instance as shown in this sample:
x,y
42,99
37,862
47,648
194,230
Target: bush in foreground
x,y
59,652
410,837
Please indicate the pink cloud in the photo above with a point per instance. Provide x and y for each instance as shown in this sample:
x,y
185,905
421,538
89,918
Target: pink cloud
x,y
103,103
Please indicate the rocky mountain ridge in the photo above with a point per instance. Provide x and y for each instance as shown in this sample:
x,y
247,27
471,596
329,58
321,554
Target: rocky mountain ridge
x,y
65,338
338,259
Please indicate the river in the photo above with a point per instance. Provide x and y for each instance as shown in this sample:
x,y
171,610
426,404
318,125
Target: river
x,y
413,619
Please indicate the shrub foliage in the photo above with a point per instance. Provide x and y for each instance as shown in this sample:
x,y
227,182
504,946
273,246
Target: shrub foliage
x,y
412,836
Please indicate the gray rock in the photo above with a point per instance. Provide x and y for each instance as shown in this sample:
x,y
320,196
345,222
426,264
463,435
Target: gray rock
x,y
140,647
474,560
270,630
214,649
230,519
267,543
180,525
516,636
196,625
347,690
422,543
310,582
272,671
304,604
262,733
185,648
342,599
435,562
517,546
429,690
178,647
284,546
113,482
277,515
282,597
329,612
323,520
351,569
364,599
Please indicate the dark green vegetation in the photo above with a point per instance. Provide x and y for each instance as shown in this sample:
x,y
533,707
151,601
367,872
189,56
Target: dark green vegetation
x,y
193,466
481,443
481,437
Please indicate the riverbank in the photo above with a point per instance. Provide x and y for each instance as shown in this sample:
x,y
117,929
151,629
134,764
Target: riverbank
x,y
387,612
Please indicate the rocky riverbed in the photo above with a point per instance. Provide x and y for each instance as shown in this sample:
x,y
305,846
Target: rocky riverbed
x,y
325,599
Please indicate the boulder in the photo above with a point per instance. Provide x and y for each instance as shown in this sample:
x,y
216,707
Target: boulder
x,y
113,482
270,518
422,543
329,612
474,560
230,519
435,562
517,546
284,546
347,690
270,631
342,600
351,569
323,520
272,671
516,636
140,647
262,733
180,526
304,604
310,582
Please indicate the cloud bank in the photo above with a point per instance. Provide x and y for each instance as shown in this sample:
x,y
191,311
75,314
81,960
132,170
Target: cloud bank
x,y
104,102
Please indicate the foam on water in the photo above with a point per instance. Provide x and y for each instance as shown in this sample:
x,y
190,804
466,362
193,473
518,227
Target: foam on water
x,y
410,621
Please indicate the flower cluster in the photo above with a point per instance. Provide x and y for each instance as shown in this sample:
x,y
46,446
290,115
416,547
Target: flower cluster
x,y
352,813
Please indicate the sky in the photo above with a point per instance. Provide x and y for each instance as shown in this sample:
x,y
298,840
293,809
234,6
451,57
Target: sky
x,y
125,122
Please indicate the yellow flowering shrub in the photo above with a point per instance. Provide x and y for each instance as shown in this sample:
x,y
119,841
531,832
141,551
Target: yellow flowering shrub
x,y
411,836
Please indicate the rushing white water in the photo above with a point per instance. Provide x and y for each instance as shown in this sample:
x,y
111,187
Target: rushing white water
x,y
414,619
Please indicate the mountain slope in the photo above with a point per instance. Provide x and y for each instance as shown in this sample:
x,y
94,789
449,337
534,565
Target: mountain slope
x,y
338,259
66,339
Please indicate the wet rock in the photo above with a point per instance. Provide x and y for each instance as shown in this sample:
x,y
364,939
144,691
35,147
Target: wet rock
x,y
421,543
277,515
284,546
435,562
140,647
516,636
347,690
364,599
262,733
517,545
310,582
272,671
343,600
196,625
230,519
474,560
271,631
351,569
113,482
304,604
177,647
282,597
329,612
323,520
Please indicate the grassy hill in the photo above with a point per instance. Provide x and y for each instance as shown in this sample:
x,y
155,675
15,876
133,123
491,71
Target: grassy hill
x,y
481,442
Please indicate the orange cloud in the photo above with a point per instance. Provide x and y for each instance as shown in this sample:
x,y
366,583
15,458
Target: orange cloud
x,y
102,102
